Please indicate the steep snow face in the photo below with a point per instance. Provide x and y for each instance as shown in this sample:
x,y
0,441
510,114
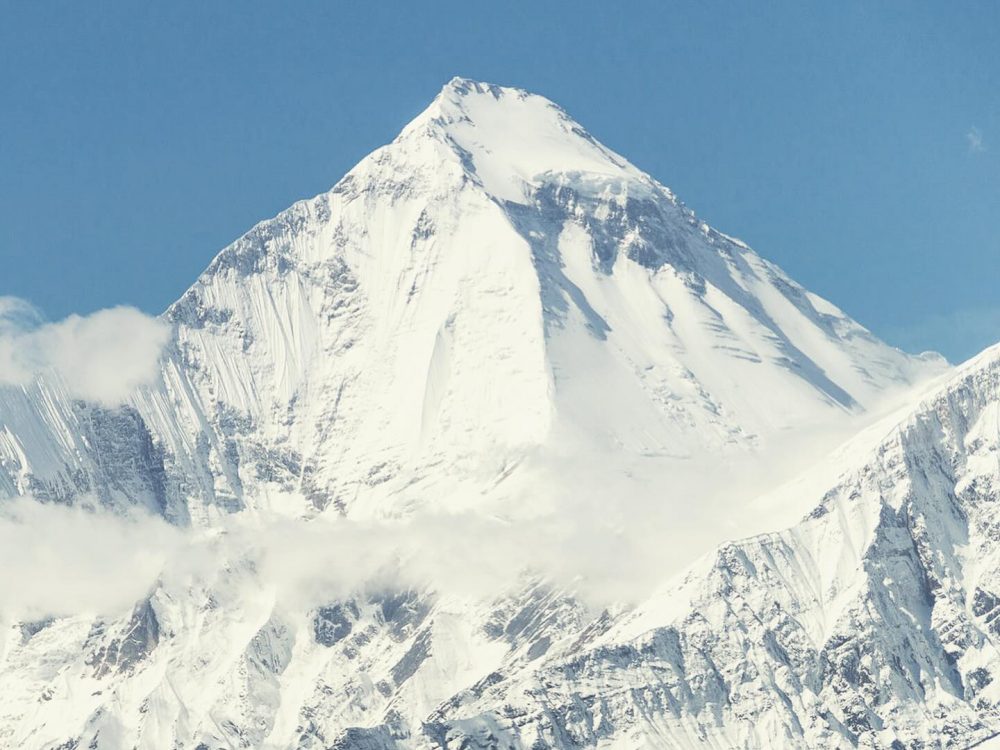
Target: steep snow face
x,y
492,281
364,337
60,450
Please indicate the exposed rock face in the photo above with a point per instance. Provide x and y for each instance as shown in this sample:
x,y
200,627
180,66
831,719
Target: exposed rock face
x,y
123,651
492,281
334,623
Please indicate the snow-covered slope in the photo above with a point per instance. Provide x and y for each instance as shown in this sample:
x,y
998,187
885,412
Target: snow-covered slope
x,y
493,288
871,623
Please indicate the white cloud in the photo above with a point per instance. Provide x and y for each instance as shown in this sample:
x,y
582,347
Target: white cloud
x,y
58,560
974,138
99,357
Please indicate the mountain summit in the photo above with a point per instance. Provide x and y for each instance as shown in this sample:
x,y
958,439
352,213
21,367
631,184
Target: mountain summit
x,y
492,276
511,140
495,318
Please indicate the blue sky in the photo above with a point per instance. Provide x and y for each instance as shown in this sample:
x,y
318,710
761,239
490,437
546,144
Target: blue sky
x,y
855,144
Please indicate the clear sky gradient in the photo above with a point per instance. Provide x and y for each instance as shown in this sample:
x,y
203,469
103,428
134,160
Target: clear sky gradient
x,y
855,144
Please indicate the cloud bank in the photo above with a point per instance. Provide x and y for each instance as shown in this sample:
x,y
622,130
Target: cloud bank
x,y
100,357
57,560
604,529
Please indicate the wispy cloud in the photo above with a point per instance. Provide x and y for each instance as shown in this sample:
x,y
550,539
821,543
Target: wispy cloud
x,y
99,357
974,139
958,334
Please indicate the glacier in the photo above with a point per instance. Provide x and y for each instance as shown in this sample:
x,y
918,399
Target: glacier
x,y
496,338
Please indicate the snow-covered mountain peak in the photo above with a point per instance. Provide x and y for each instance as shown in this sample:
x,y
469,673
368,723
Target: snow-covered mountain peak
x,y
514,141
491,282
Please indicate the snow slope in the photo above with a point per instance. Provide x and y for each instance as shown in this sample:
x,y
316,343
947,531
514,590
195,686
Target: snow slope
x,y
870,623
493,288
